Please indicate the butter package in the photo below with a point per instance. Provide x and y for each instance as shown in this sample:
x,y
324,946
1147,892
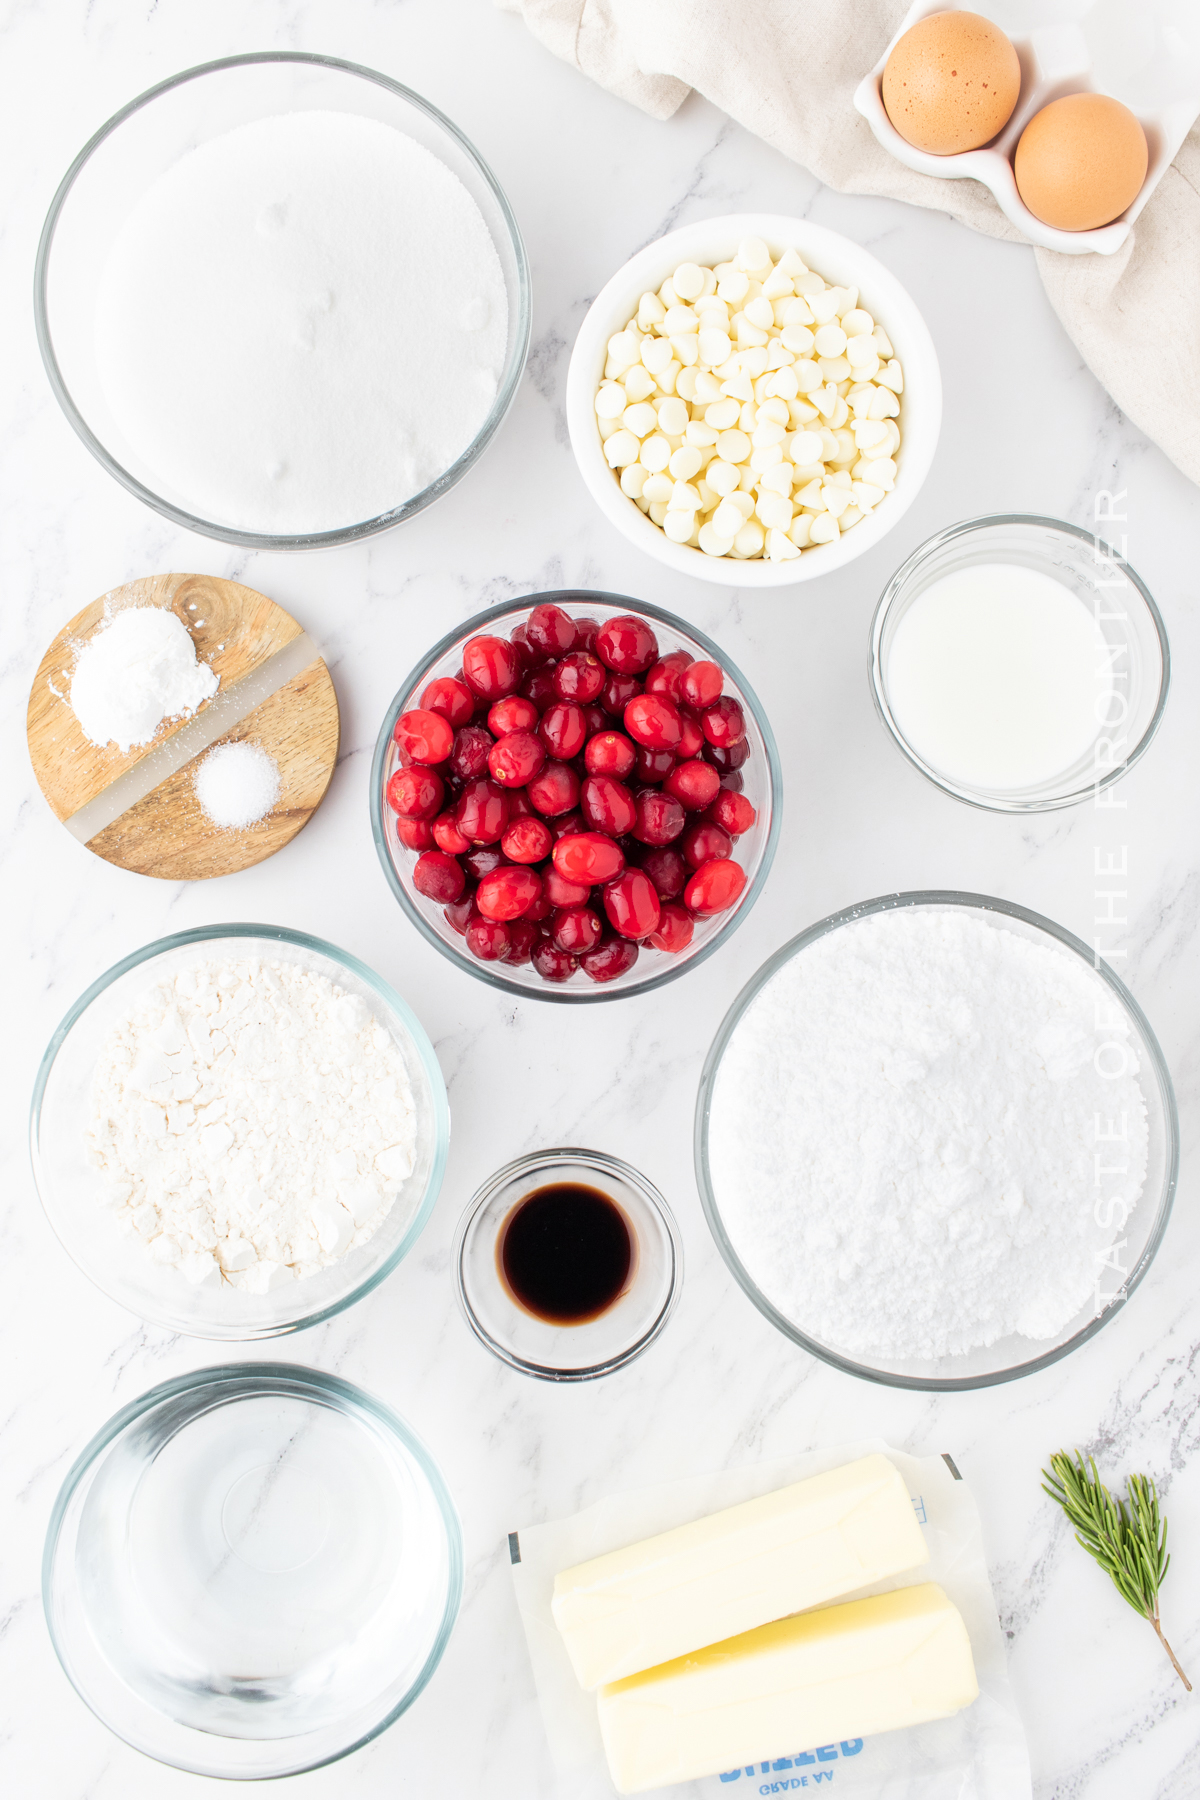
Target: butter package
x,y
978,1750
802,1545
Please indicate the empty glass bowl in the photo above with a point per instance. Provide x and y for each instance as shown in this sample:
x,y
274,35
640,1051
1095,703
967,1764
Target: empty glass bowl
x,y
601,1344
755,850
73,1195
1135,657
128,154
252,1570
1142,1233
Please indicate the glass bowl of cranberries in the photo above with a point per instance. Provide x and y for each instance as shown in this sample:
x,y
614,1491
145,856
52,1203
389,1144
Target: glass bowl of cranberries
x,y
576,796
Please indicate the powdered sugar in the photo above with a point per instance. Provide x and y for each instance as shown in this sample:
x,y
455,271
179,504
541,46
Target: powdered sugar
x,y
251,1121
237,785
137,670
903,1135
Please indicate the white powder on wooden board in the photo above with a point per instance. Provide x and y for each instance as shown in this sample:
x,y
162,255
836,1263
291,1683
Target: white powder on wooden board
x,y
301,323
136,671
237,785
903,1136
251,1122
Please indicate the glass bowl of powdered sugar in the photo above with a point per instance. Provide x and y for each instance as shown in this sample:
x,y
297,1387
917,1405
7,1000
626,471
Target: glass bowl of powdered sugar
x,y
936,1141
238,1131
283,300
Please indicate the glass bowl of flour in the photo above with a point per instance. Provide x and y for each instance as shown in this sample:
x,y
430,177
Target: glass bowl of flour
x,y
283,300
936,1144
239,1131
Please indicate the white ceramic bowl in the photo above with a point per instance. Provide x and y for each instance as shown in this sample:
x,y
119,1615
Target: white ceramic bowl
x,y
841,262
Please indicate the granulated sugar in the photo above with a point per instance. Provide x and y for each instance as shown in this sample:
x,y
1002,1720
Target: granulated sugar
x,y
136,671
903,1136
251,1122
237,785
321,331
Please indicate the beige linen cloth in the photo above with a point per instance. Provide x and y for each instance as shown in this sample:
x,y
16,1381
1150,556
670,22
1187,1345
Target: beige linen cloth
x,y
787,71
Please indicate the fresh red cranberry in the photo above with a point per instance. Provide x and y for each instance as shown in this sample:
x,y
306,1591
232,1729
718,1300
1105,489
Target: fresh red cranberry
x,y
579,676
551,963
550,629
731,811
660,818
448,837
469,757
452,699
653,765
609,753
667,870
732,780
527,840
508,892
585,633
654,722
723,723
666,675
693,740
439,877
541,907
415,834
518,804
632,905
608,960
491,667
515,758
588,857
513,713
427,736
522,936
563,729
728,757
675,928
482,812
607,805
415,793
626,644
714,887
488,939
539,687
566,824
694,784
555,789
702,842
482,859
618,691
561,892
576,928
702,684
458,916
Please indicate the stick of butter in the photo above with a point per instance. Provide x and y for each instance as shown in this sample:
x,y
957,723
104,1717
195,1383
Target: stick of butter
x,y
800,1546
842,1672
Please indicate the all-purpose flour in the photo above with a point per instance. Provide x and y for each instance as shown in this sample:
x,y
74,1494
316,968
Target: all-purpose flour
x,y
301,323
905,1136
251,1121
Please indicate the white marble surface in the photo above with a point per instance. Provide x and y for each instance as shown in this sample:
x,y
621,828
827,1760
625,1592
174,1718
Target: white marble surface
x,y
1026,427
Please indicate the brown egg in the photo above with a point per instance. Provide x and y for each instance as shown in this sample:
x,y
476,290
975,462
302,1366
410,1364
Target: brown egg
x,y
1081,161
951,83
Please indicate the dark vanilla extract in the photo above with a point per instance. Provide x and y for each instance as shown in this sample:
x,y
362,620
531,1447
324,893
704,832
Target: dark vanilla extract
x,y
565,1253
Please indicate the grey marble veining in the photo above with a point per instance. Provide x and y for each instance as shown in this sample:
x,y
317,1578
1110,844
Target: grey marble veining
x,y
1026,428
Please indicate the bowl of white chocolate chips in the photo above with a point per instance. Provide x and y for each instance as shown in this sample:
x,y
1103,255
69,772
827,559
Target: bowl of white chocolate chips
x,y
753,400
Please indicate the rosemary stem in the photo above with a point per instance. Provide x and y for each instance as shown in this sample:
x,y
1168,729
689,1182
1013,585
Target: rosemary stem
x,y
1174,1659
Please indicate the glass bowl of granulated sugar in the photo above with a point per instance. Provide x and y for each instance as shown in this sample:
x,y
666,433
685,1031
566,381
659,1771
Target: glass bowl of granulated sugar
x,y
936,1141
283,300
239,1131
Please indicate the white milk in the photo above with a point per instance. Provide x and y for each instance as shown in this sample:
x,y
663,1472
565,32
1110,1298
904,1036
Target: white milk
x,y
997,677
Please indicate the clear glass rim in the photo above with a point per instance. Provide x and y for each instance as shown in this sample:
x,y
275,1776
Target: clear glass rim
x,y
708,1200
970,796
228,534
302,940
601,1161
268,1377
490,973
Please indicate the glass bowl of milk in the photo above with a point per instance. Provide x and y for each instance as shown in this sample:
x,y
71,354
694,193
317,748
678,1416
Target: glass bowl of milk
x,y
283,300
1019,663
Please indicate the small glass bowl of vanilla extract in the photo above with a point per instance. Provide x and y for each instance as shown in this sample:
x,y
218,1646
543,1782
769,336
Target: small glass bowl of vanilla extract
x,y
569,1264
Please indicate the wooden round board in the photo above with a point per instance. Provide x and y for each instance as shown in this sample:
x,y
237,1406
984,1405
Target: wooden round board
x,y
139,810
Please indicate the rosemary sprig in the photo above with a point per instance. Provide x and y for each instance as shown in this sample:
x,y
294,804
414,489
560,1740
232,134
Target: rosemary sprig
x,y
1127,1538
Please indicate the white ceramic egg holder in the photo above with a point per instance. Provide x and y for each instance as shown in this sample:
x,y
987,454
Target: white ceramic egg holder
x,y
1054,62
